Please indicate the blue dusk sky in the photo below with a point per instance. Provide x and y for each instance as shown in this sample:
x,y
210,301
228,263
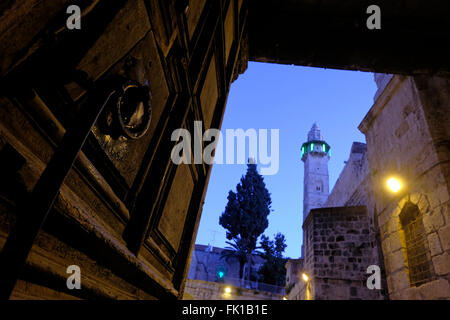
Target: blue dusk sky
x,y
291,99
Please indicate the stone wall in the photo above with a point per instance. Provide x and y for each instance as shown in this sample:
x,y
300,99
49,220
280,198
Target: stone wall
x,y
206,290
382,80
338,250
206,260
407,134
294,284
351,186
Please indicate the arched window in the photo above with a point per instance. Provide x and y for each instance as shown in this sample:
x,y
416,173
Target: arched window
x,y
418,255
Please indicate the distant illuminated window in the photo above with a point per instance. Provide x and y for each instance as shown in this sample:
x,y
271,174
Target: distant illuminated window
x,y
323,148
312,146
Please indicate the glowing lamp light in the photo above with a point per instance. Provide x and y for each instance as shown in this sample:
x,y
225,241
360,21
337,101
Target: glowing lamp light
x,y
394,185
221,272
228,290
284,298
305,277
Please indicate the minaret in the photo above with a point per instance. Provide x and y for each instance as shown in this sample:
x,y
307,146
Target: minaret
x,y
315,155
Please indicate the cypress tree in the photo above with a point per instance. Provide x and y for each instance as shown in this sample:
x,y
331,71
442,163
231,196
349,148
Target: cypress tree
x,y
245,215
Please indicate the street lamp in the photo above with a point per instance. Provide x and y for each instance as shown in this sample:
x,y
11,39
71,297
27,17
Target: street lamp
x,y
227,292
394,184
305,277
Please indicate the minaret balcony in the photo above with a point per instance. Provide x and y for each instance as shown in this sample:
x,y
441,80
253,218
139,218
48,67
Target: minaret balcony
x,y
316,147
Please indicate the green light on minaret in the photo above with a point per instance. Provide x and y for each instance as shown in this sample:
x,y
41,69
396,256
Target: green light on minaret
x,y
323,148
312,146
303,151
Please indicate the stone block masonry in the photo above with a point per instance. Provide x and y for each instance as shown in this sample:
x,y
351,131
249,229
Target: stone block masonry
x,y
339,247
207,290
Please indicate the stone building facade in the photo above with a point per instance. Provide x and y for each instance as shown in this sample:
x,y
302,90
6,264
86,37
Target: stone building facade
x,y
405,233
339,248
408,137
294,285
352,186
